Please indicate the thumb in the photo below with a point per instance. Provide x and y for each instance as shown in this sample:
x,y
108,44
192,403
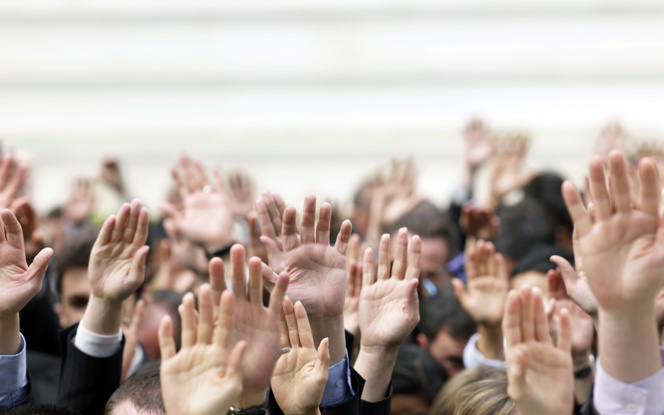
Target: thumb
x,y
138,263
459,289
516,376
568,272
37,269
323,362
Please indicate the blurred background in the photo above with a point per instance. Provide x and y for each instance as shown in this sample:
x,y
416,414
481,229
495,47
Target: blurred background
x,y
312,96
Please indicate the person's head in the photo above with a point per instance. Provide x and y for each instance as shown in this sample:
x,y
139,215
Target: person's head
x,y
532,268
546,189
439,238
523,226
163,303
446,328
139,395
481,390
38,409
71,267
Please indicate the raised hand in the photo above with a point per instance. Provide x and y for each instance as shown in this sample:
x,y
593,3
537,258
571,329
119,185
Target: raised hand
x,y
270,209
19,283
117,260
81,201
205,376
539,374
389,310
299,378
479,222
477,147
206,217
353,286
488,283
507,172
256,324
12,176
623,256
117,267
241,192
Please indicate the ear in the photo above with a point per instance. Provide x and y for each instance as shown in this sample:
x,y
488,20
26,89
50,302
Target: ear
x,y
422,341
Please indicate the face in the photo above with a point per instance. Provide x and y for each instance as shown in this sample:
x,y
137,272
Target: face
x,y
448,351
435,255
532,278
74,296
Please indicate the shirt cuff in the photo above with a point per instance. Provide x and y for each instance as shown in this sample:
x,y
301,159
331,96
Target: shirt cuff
x,y
97,345
472,357
644,397
338,388
14,378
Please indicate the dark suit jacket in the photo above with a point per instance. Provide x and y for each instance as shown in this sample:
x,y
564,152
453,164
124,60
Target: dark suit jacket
x,y
86,382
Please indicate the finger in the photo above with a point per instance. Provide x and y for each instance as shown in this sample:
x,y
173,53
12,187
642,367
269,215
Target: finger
x,y
527,314
166,340
619,175
323,363
283,328
565,333
186,310
225,320
512,319
278,294
490,260
343,236
414,259
142,228
255,282
201,174
289,230
138,264
472,255
205,319
412,299
303,326
179,184
650,187
309,220
37,269
13,230
16,181
217,279
6,166
567,271
353,250
459,289
252,224
541,323
516,375
120,222
238,275
267,226
235,359
368,276
323,225
192,183
276,216
291,323
576,209
600,194
400,255
357,276
350,278
269,278
130,229
218,181
384,257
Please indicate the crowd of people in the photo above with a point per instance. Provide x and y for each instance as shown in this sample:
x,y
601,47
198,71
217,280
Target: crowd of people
x,y
549,303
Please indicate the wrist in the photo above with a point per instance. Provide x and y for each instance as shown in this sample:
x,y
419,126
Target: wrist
x,y
10,337
251,398
333,329
102,316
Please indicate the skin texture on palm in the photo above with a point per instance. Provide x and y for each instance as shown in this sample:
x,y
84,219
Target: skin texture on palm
x,y
19,283
300,376
206,217
117,267
540,379
388,310
205,376
623,255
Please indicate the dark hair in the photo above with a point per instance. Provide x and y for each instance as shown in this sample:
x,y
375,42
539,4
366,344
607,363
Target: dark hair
x,y
75,253
546,189
523,226
537,259
444,309
143,391
38,409
427,221
416,372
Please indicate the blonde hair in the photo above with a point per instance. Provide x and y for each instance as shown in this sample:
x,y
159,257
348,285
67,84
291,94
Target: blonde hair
x,y
478,391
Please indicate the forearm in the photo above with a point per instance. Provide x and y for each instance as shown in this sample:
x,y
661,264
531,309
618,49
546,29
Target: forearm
x,y
10,338
375,365
490,343
629,344
333,329
102,316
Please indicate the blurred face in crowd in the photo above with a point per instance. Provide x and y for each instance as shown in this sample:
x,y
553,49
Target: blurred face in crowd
x,y
532,278
435,255
446,349
74,295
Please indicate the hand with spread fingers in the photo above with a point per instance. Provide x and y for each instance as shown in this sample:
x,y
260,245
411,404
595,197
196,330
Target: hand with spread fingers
x,y
19,283
270,208
300,375
389,310
353,285
241,192
205,376
623,257
539,374
12,177
256,324
117,267
206,217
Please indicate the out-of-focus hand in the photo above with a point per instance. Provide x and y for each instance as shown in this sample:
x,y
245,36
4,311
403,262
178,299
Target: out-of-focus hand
x,y
477,147
241,192
12,177
81,201
205,376
300,375
539,374
479,222
206,217
484,295
507,171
